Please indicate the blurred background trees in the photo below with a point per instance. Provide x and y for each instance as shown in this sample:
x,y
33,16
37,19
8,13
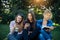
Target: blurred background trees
x,y
10,8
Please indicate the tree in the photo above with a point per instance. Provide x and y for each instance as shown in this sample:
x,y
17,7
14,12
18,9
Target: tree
x,y
56,10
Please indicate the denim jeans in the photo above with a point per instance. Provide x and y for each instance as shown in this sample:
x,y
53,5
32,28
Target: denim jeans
x,y
15,36
23,36
45,35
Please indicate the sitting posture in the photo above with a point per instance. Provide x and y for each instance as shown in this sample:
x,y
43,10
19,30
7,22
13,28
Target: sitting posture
x,y
16,28
45,26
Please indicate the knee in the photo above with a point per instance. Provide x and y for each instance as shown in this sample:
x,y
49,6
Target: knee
x,y
9,35
40,36
49,39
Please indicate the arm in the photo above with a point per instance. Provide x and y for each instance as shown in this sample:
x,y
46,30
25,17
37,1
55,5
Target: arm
x,y
11,27
50,25
38,24
26,25
51,28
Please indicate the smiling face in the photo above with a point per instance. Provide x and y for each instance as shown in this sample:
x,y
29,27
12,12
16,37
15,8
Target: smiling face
x,y
47,16
18,19
30,16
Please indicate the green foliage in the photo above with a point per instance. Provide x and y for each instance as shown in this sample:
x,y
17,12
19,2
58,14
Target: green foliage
x,y
21,6
56,10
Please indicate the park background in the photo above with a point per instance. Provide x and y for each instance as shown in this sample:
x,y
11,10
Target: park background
x,y
10,8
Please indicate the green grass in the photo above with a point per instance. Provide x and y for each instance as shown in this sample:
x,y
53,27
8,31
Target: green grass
x,y
4,30
56,33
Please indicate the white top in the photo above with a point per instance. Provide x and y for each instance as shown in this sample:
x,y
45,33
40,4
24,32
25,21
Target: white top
x,y
44,26
12,23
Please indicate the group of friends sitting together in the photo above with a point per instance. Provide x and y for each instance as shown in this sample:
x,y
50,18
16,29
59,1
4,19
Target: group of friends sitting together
x,y
31,29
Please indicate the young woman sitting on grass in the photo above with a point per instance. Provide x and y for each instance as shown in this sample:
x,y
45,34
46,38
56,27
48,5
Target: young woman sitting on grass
x,y
16,29
45,26
32,31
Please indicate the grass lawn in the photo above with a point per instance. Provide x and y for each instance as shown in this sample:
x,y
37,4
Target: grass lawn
x,y
56,33
4,30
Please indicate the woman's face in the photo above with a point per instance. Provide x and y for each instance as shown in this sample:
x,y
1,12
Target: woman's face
x,y
30,16
47,16
18,19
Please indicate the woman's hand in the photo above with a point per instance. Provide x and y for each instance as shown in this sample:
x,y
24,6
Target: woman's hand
x,y
51,28
26,25
29,32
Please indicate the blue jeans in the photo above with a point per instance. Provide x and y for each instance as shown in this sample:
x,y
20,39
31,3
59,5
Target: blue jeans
x,y
45,35
15,36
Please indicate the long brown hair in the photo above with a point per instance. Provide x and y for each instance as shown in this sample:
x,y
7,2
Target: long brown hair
x,y
21,23
33,18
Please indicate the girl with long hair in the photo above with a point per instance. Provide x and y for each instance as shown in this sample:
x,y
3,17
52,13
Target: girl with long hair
x,y
16,28
30,26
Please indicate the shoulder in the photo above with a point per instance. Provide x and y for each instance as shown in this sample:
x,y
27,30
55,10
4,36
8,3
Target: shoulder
x,y
12,22
39,20
50,21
